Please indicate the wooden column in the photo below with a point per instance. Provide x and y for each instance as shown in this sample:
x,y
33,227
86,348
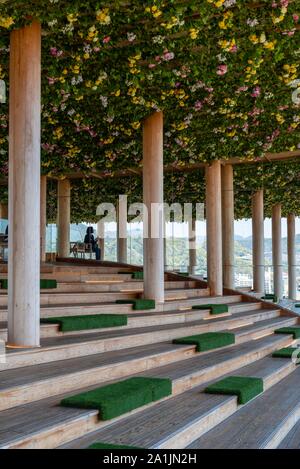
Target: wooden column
x,y
214,228
258,242
277,250
24,187
4,211
291,240
101,237
122,232
192,246
63,217
153,200
228,226
43,217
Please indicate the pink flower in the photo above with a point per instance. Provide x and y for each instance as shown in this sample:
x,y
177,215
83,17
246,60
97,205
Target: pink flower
x,y
256,92
168,55
106,40
295,18
222,69
198,105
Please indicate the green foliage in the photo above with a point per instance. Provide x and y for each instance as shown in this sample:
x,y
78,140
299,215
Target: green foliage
x,y
220,71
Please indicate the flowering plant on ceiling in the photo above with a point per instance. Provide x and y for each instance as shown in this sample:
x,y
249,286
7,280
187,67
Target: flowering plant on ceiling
x,y
220,70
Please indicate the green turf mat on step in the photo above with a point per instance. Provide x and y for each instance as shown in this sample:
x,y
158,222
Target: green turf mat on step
x,y
138,304
297,305
214,309
295,331
244,387
122,397
4,284
44,284
81,323
47,284
208,341
110,446
270,296
184,274
138,276
285,352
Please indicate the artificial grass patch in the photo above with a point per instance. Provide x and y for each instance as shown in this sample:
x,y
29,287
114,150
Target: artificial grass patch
x,y
110,446
270,296
295,331
122,397
286,352
297,305
81,323
208,341
214,309
138,304
4,284
138,276
44,284
244,387
47,284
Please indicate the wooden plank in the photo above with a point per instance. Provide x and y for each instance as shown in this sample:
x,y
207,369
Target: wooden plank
x,y
34,421
262,423
172,424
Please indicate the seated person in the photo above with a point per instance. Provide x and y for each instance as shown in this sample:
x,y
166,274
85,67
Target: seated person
x,y
90,239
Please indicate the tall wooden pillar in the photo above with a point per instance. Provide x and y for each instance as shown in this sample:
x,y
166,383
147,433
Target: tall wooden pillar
x,y
153,201
122,232
24,187
228,226
101,237
277,250
291,241
192,246
63,217
43,217
214,228
258,241
3,211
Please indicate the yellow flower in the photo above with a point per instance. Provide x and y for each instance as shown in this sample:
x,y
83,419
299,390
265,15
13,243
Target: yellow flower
x,y
194,33
103,16
136,125
6,22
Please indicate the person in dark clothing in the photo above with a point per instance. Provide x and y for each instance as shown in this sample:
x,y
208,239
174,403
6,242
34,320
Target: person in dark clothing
x,y
90,240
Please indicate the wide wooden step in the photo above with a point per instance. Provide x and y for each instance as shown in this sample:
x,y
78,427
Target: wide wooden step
x,y
292,439
40,381
43,424
35,382
179,419
54,298
147,319
261,424
142,319
119,284
59,348
113,308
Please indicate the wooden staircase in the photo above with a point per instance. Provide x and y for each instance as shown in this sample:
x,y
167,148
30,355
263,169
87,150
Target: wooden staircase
x,y
33,382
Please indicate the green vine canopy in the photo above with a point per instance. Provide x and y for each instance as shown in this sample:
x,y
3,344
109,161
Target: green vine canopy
x,y
224,72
